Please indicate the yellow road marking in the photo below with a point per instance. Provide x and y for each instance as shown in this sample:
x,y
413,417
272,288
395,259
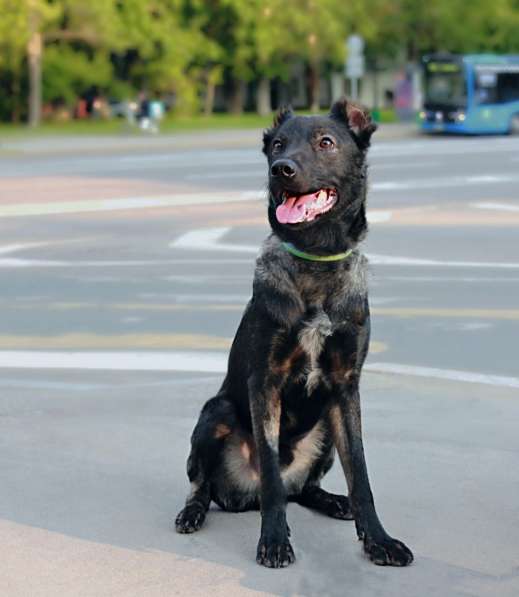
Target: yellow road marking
x,y
82,341
376,347
509,314
127,306
449,312
101,341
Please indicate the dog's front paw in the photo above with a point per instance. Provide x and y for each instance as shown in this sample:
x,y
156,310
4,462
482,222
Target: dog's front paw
x,y
275,554
190,519
339,506
387,551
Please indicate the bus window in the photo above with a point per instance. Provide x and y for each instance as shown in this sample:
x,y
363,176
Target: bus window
x,y
508,87
445,86
495,87
486,87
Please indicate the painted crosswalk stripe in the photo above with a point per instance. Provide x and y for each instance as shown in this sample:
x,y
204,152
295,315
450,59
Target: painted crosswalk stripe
x,y
210,362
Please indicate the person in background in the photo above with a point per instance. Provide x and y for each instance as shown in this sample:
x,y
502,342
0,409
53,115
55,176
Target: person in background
x,y
143,111
149,113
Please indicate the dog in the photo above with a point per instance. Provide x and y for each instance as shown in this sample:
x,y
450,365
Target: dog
x,y
290,398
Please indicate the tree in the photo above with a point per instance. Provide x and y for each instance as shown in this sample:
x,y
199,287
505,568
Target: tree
x,y
22,22
168,53
184,48
445,25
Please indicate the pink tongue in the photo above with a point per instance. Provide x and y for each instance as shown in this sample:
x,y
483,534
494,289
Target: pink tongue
x,y
292,210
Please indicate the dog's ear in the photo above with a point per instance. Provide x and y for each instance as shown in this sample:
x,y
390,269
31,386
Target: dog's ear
x,y
357,118
282,116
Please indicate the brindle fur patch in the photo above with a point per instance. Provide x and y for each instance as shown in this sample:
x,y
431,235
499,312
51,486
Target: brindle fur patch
x,y
221,431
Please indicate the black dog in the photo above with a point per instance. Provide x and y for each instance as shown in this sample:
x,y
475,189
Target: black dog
x,y
291,394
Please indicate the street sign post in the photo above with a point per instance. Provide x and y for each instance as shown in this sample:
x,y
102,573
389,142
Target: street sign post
x,y
355,62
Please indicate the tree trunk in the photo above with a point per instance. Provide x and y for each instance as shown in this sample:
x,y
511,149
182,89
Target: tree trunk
x,y
34,54
15,90
376,90
263,105
313,87
237,98
209,97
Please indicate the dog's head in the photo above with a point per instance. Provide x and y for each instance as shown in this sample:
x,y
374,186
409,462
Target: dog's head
x,y
317,176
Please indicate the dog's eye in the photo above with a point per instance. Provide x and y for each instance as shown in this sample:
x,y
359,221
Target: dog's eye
x,y
326,143
277,145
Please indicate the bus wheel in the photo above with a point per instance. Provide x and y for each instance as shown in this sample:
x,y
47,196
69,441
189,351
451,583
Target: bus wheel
x,y
514,125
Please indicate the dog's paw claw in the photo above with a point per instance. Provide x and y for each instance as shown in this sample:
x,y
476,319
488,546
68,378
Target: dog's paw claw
x,y
388,552
190,519
275,555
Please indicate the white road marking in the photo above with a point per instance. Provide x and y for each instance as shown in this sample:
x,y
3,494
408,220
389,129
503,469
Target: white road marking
x,y
223,158
210,298
260,170
134,203
496,206
7,249
14,262
210,362
442,147
473,326
414,262
230,174
376,216
68,386
209,239
447,374
459,279
374,166
127,203
442,182
207,362
22,263
207,278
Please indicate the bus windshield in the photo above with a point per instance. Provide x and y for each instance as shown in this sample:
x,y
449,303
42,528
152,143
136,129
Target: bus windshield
x,y
445,85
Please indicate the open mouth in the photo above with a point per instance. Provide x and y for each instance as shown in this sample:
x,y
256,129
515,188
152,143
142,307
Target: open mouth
x,y
305,208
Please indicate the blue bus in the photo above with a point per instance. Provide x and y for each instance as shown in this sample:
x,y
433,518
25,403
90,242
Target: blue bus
x,y
472,94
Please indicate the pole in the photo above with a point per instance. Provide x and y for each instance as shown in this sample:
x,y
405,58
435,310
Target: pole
x,y
34,52
354,89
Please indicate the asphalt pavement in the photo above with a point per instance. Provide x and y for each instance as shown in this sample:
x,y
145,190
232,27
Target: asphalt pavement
x,y
125,264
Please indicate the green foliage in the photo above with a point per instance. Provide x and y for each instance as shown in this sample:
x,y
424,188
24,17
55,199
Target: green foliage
x,y
171,49
180,47
68,73
446,25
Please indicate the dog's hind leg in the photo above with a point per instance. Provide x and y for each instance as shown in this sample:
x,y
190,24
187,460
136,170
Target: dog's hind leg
x,y
331,504
216,422
314,497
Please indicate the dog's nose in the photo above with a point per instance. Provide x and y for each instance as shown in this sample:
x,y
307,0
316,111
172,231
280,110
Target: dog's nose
x,y
284,168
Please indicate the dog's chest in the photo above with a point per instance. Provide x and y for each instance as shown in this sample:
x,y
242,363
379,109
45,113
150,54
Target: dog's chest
x,y
312,340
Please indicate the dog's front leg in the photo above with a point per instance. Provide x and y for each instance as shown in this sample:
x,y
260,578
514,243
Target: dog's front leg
x,y
346,424
274,549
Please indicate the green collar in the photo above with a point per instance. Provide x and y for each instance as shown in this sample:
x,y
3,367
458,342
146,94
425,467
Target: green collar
x,y
309,257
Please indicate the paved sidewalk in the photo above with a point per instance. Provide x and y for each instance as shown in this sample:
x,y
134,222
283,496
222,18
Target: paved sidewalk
x,y
93,471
